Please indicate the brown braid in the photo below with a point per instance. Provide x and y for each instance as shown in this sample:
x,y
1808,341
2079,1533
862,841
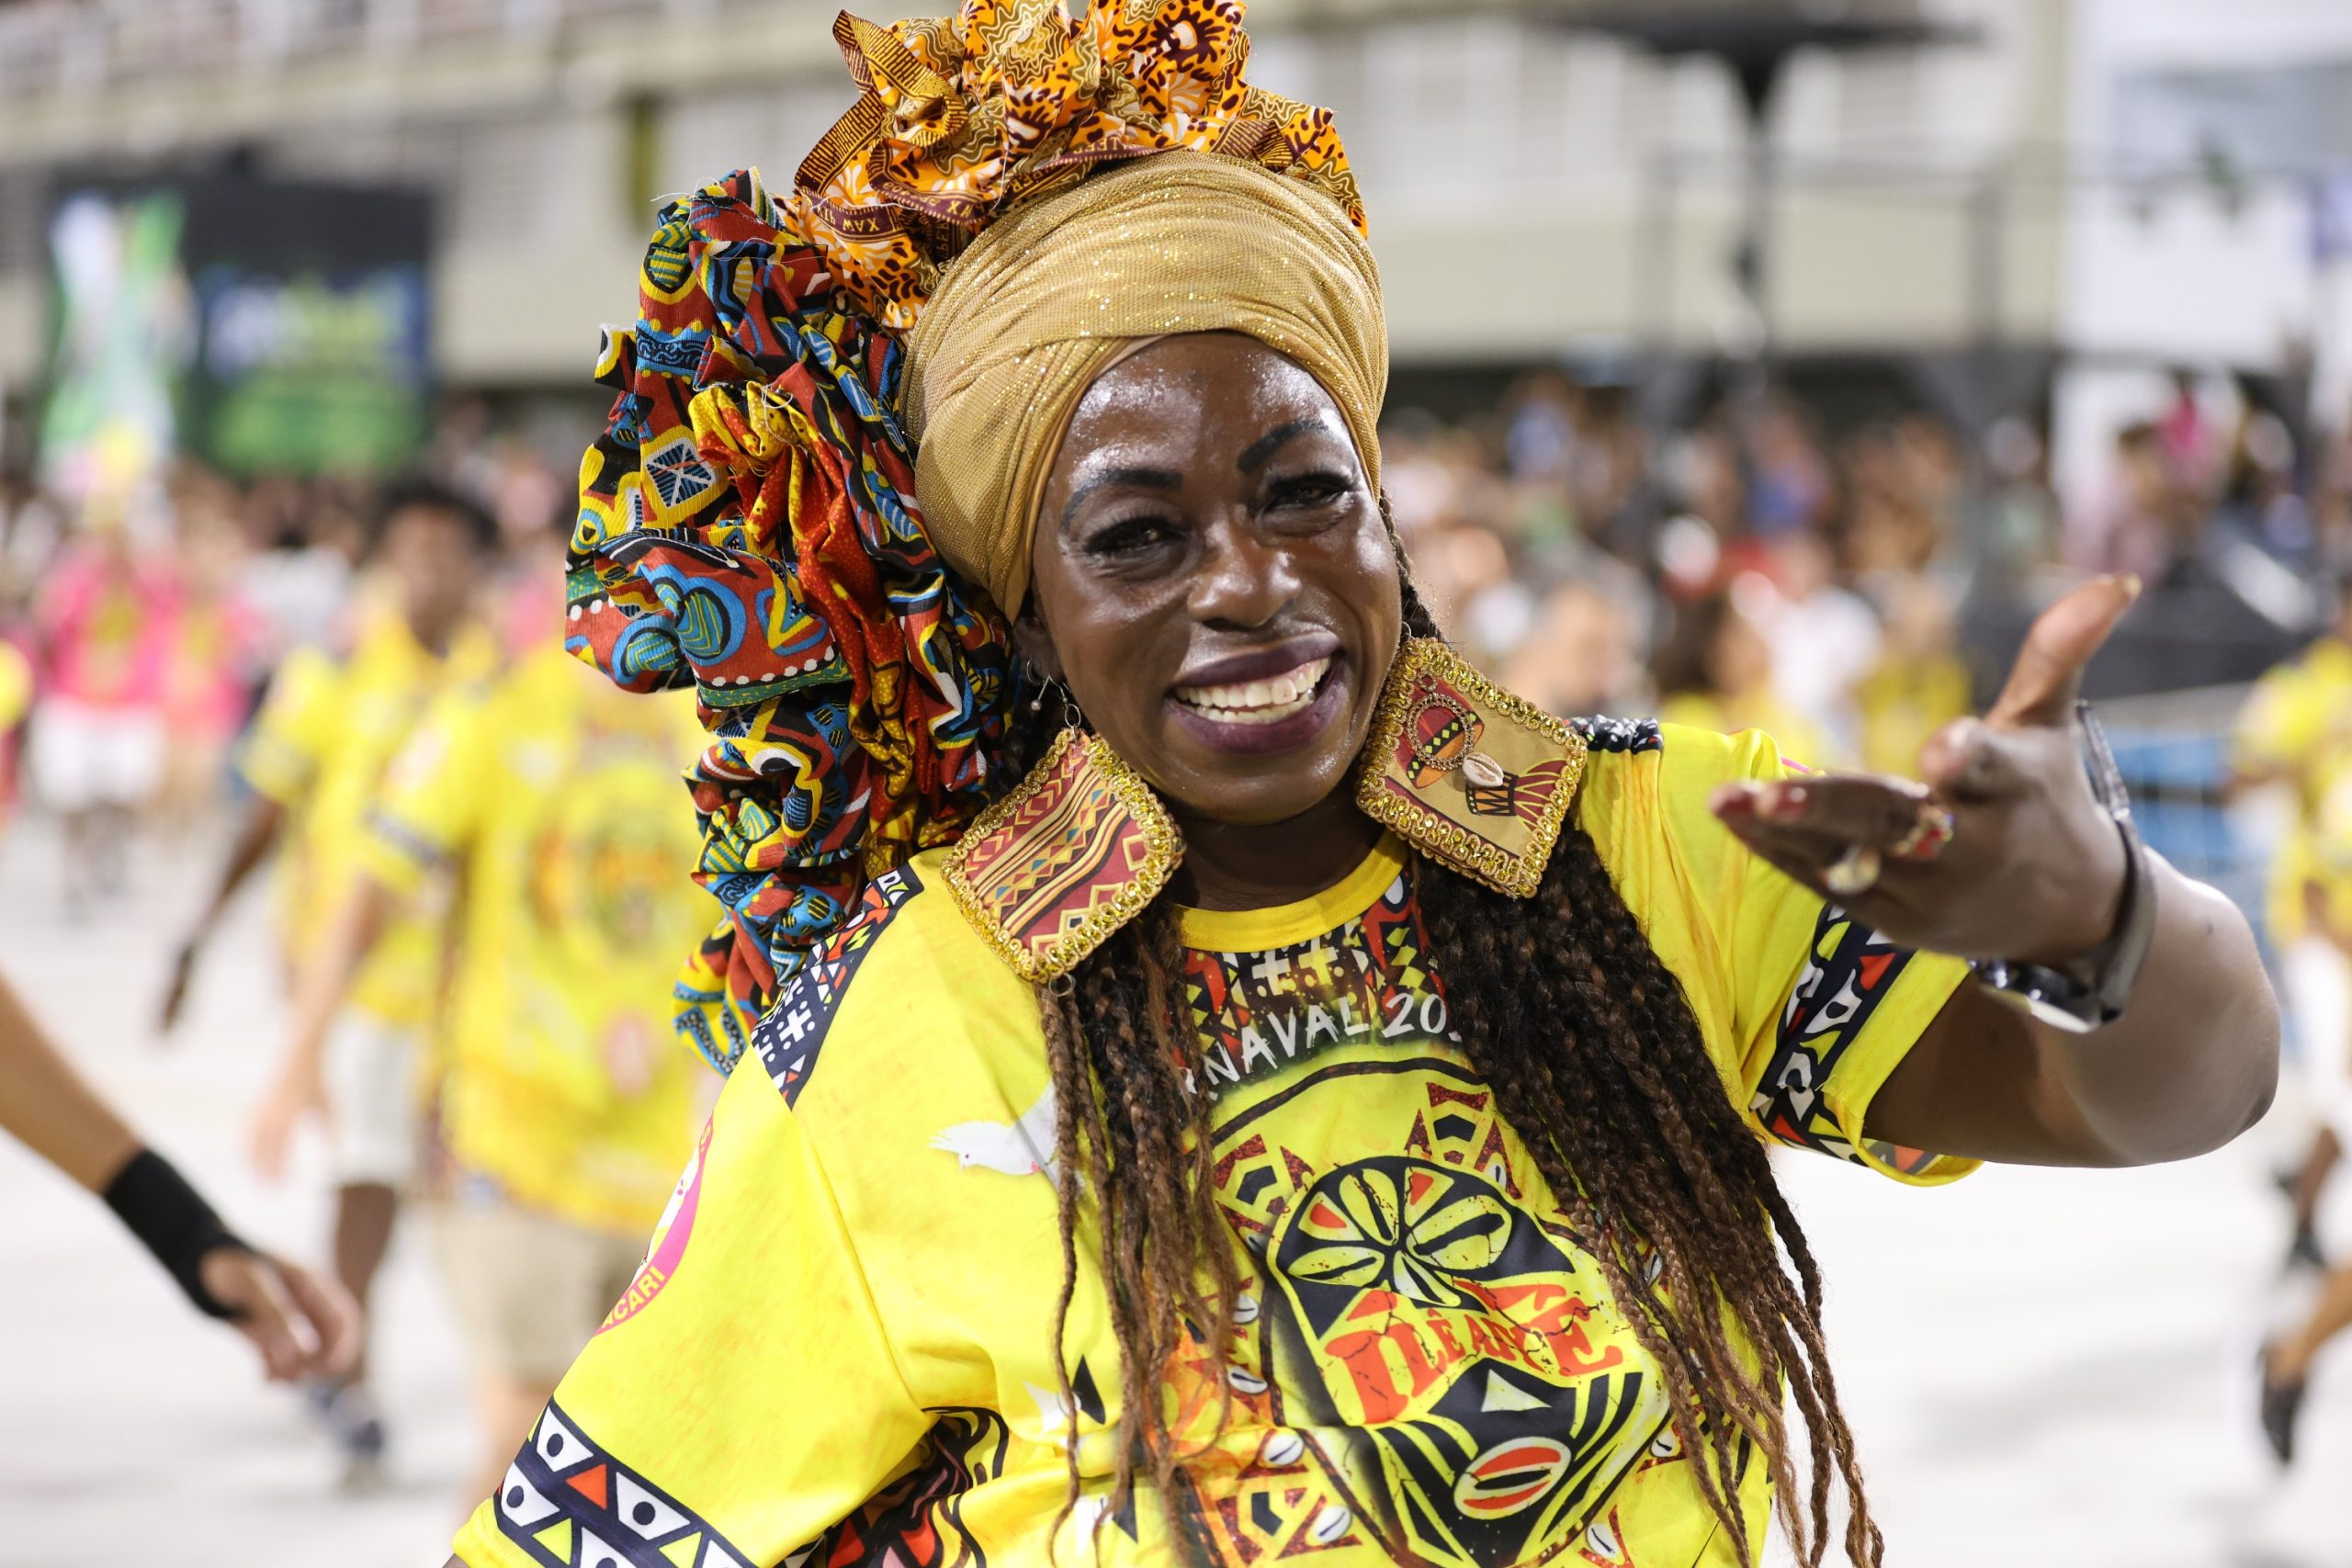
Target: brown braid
x,y
1594,1055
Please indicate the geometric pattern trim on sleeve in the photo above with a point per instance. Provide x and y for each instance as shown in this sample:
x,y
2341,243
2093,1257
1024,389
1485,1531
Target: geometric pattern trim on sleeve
x,y
788,1035
1627,735
1848,972
569,1505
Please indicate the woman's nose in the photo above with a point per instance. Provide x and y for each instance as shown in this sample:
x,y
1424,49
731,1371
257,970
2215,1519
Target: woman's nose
x,y
1244,581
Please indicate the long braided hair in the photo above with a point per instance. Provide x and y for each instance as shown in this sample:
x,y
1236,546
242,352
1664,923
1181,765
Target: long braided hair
x,y
1596,1058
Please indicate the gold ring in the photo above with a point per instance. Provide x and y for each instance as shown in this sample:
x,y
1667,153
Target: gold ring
x,y
1927,836
1853,873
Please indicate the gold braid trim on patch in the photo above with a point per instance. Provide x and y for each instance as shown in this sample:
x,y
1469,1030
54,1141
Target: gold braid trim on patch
x,y
982,867
1387,796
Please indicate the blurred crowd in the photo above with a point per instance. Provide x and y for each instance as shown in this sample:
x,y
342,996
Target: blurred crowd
x,y
1760,569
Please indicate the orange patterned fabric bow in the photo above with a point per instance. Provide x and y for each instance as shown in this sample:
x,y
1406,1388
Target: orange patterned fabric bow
x,y
961,118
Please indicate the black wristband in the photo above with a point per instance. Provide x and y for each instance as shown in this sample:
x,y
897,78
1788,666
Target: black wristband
x,y
173,1221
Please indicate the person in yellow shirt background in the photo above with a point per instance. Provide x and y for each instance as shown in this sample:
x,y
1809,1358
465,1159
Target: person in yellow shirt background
x,y
2327,870
2294,734
16,701
551,799
328,729
1715,672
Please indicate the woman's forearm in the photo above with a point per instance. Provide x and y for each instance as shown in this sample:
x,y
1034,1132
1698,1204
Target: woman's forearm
x,y
45,1104
2194,1060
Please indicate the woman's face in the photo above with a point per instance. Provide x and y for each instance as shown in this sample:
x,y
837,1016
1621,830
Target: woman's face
x,y
1212,580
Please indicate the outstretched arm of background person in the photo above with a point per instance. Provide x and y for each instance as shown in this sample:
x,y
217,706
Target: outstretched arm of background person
x,y
265,819
2035,871
303,1326
326,979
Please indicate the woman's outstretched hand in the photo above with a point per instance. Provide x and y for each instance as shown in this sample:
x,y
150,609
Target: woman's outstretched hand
x,y
2033,868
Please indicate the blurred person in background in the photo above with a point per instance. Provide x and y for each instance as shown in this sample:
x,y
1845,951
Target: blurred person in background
x,y
105,619
1789,489
2133,527
1715,672
1825,639
552,798
210,670
1583,655
2327,868
1919,682
2295,733
301,1326
327,732
2016,528
16,702
305,542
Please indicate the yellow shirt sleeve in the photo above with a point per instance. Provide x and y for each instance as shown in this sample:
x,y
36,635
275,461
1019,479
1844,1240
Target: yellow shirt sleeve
x,y
742,1399
434,794
1806,1009
294,729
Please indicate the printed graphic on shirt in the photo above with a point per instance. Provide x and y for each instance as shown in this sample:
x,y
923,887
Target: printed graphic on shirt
x,y
569,1505
1440,1361
1848,972
788,1036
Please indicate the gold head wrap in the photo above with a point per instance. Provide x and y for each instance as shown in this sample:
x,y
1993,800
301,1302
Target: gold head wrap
x,y
1053,294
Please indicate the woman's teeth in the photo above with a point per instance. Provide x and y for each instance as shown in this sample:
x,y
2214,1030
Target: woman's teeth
x,y
1257,702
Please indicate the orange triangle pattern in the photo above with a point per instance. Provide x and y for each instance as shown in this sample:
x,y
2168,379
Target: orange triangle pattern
x,y
593,1485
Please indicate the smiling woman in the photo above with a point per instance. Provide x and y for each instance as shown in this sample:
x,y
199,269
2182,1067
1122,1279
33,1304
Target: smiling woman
x,y
1220,1079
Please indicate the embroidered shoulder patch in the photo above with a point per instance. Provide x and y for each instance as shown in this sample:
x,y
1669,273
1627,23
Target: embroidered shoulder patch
x,y
1073,853
789,1034
567,1503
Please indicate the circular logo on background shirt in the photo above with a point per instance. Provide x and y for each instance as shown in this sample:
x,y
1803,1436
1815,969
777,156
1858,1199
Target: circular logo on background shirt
x,y
671,1234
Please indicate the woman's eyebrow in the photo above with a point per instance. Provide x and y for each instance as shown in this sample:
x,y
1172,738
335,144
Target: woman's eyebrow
x,y
1141,479
1253,457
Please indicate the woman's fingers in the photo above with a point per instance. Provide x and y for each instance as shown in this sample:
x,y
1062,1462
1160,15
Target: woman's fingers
x,y
333,1317
2048,674
1833,811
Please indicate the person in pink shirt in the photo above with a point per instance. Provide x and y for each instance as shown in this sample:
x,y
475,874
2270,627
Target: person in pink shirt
x,y
105,620
208,673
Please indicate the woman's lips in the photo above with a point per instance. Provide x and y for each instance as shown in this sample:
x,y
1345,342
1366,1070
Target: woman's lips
x,y
1278,713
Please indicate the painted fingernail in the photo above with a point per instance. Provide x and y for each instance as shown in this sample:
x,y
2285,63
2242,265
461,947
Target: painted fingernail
x,y
1785,801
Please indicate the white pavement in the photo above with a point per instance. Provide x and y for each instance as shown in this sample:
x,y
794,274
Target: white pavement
x,y
2044,1368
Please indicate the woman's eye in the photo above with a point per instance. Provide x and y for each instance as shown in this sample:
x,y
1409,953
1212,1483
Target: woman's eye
x,y
1308,491
1132,537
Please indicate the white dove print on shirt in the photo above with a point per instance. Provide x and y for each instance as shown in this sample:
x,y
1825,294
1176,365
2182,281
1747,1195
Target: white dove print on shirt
x,y
1024,1148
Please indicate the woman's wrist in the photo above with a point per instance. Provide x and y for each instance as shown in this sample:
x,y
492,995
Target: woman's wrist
x,y
172,1219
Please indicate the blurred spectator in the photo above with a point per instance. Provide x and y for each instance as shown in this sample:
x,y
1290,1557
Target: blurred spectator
x,y
1824,639
2134,527
1715,672
213,665
1789,489
1919,682
1583,655
106,620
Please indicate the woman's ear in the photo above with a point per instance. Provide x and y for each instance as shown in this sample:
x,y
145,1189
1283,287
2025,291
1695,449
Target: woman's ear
x,y
1035,644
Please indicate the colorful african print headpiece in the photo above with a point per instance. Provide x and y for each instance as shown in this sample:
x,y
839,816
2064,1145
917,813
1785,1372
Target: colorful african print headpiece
x,y
747,524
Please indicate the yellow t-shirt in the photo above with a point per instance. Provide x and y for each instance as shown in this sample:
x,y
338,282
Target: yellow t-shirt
x,y
16,687
839,1348
1902,703
2297,722
326,733
1805,744
555,799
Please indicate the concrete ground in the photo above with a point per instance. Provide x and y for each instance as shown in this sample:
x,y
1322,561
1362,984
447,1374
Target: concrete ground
x,y
2044,1368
